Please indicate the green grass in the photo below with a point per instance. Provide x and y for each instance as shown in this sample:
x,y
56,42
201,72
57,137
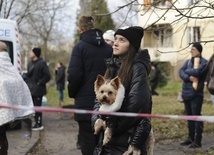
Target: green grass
x,y
171,88
173,130
53,99
165,104
166,129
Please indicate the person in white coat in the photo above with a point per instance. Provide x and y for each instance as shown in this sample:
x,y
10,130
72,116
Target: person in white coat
x,y
14,92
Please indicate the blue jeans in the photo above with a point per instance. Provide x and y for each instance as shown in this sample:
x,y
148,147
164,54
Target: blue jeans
x,y
60,93
193,107
212,98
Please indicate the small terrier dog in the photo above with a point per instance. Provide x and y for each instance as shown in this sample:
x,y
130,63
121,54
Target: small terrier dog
x,y
111,95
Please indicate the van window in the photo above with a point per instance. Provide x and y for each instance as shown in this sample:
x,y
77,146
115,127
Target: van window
x,y
9,48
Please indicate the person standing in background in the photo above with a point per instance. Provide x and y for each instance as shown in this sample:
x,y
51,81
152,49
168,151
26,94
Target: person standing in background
x,y
38,75
193,97
212,98
210,74
86,62
155,76
108,36
60,81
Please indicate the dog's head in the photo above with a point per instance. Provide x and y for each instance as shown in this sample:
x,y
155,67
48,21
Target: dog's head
x,y
106,91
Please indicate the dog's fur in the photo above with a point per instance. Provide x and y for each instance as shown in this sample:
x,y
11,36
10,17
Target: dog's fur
x,y
111,94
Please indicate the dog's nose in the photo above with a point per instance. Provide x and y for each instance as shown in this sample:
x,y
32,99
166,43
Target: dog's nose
x,y
104,97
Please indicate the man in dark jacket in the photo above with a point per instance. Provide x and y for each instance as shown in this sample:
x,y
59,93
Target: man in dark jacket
x,y
193,74
86,62
38,75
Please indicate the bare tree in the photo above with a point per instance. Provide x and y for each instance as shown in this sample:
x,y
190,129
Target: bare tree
x,y
124,13
42,23
5,8
196,10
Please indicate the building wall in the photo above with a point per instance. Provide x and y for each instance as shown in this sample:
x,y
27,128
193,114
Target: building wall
x,y
179,37
180,51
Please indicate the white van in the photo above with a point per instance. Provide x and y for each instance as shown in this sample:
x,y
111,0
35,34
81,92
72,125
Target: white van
x,y
9,34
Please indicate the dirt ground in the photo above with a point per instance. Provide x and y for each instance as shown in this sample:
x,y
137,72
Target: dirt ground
x,y
60,135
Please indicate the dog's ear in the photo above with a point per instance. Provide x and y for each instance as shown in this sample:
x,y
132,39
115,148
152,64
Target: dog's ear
x,y
99,82
115,82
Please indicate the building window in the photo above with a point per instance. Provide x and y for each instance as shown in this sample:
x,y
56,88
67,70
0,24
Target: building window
x,y
163,33
193,34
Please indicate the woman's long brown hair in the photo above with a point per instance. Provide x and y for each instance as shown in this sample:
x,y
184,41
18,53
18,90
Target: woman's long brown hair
x,y
125,70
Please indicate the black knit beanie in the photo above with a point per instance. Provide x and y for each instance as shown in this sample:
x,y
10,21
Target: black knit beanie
x,y
133,34
37,51
198,47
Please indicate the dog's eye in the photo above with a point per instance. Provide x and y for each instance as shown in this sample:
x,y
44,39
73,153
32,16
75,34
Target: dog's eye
x,y
110,92
102,91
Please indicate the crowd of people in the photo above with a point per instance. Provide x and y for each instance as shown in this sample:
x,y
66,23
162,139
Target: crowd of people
x,y
110,54
124,62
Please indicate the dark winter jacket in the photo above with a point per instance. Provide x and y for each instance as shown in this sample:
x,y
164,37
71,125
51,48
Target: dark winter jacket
x,y
210,73
86,62
38,75
187,70
60,78
210,68
131,130
155,74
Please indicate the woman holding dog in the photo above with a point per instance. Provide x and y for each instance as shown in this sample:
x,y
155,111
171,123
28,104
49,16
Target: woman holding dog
x,y
132,66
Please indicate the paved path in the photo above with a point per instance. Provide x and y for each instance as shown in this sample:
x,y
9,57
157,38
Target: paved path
x,y
18,143
174,148
59,138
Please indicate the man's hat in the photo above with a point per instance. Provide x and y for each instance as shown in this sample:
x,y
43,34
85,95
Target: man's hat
x,y
37,51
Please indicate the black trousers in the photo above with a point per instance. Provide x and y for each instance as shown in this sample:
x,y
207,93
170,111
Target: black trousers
x,y
153,87
3,135
37,101
3,140
195,128
87,139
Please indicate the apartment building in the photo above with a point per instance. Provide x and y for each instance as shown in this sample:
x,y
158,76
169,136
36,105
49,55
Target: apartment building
x,y
172,25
